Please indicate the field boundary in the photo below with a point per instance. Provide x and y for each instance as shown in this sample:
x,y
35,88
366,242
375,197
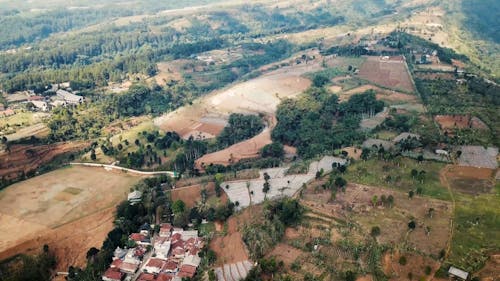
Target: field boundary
x,y
143,173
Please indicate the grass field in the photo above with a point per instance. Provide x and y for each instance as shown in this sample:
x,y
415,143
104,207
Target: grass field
x,y
70,209
477,228
397,174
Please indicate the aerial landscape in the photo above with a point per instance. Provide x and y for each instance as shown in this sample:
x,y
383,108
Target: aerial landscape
x,y
228,140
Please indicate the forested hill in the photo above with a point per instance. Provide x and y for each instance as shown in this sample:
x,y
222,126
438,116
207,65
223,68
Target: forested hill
x,y
21,23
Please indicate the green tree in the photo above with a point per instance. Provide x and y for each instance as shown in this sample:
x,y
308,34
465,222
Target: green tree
x,y
178,206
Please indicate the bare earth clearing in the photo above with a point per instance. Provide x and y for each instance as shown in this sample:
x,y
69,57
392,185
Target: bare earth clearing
x,y
70,209
207,116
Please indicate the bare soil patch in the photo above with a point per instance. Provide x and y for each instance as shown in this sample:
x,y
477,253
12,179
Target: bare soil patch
x,y
391,73
70,209
192,194
230,248
285,253
22,159
491,270
415,266
353,152
207,116
452,122
470,180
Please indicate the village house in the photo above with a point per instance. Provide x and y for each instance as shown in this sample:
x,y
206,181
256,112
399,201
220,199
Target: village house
x,y
458,273
40,105
154,266
113,275
134,197
140,239
165,230
162,247
69,97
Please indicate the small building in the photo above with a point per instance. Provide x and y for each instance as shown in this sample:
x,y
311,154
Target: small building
x,y
187,271
134,197
119,253
69,97
441,152
128,268
140,239
165,230
112,275
154,266
40,105
146,277
164,277
170,267
192,260
145,228
458,273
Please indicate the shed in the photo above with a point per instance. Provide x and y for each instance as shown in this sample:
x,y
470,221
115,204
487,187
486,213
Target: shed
x,y
455,272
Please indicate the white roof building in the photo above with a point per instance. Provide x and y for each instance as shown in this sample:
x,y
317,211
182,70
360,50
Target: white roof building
x,y
192,260
43,106
458,273
69,97
134,197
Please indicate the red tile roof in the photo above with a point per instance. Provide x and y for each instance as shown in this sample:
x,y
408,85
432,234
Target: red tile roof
x,y
187,271
156,263
112,273
137,236
164,277
170,265
128,267
116,263
146,277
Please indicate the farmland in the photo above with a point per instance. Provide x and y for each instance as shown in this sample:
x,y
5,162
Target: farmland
x,y
391,73
70,209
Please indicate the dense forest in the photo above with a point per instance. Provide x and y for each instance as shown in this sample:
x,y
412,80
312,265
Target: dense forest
x,y
317,122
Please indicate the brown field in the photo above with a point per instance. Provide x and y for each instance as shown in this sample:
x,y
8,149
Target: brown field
x,y
470,180
356,204
191,194
390,96
451,122
71,210
491,270
230,248
26,158
206,117
169,71
391,73
415,266
233,154
285,253
435,75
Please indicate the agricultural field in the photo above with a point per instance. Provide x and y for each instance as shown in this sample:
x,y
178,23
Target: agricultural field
x,y
391,73
70,209
396,174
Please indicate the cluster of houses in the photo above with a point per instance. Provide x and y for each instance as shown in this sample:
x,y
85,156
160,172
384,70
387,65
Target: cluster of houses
x,y
55,96
169,256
